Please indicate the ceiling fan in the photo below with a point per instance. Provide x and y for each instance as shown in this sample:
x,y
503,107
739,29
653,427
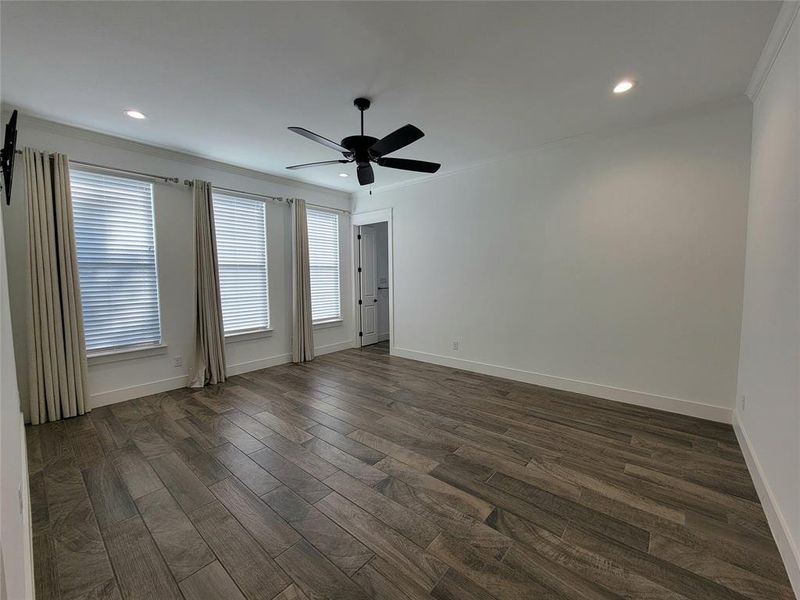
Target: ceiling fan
x,y
364,149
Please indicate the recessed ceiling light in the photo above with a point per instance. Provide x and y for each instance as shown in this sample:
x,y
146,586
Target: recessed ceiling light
x,y
623,86
135,114
343,175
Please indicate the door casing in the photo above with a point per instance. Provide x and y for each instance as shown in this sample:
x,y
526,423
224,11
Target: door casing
x,y
370,218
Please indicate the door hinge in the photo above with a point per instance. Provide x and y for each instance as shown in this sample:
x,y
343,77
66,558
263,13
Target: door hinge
x,y
360,301
359,269
359,236
360,334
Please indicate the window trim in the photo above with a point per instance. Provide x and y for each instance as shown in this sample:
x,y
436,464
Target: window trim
x,y
120,353
254,334
328,323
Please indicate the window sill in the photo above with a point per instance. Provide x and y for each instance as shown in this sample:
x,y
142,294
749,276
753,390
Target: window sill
x,y
109,356
248,335
326,324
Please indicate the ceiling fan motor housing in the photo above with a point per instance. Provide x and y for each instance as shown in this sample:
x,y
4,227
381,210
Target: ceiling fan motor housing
x,y
359,146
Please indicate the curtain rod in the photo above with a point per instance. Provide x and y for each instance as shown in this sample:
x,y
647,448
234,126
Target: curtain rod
x,y
118,170
341,210
190,183
129,172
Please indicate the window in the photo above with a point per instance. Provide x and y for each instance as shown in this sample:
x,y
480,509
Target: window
x,y
323,254
241,226
113,218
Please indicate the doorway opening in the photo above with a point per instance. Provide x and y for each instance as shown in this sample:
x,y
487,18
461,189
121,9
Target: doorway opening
x,y
372,237
373,280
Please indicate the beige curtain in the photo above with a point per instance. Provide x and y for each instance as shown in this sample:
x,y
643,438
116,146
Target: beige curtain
x,y
210,347
302,331
56,346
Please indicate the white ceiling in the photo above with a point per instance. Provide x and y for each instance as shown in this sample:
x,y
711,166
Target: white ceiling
x,y
224,80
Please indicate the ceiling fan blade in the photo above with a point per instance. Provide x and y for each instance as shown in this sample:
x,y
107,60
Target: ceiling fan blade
x,y
409,165
365,174
394,141
317,164
315,137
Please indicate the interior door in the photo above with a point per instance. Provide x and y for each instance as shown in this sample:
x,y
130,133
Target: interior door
x,y
369,285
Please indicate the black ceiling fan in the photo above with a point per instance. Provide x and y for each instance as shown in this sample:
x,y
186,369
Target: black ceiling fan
x,y
364,149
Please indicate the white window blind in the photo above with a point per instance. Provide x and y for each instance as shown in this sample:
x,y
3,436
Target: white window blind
x,y
113,219
241,226
323,252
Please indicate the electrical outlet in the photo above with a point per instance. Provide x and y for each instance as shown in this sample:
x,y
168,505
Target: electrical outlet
x,y
177,361
742,402
456,345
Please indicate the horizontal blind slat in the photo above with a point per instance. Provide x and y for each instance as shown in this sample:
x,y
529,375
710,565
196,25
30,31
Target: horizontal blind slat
x,y
241,228
115,241
323,253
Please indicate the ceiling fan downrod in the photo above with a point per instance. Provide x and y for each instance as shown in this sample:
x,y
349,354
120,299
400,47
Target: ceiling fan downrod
x,y
362,104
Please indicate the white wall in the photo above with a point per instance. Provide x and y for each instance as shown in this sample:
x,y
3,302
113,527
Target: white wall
x,y
768,414
610,265
16,565
382,264
120,380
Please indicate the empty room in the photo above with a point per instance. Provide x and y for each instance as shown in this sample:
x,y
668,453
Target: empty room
x,y
461,300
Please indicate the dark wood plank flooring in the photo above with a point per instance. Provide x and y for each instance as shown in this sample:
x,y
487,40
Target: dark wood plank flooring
x,y
361,475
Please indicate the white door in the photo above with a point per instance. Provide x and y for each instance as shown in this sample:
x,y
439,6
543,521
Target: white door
x,y
368,276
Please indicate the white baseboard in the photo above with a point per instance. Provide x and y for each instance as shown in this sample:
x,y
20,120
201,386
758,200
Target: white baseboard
x,y
777,522
261,363
99,399
333,348
27,521
676,405
282,359
136,391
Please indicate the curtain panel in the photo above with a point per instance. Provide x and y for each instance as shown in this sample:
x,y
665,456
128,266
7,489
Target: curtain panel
x,y
56,345
210,346
302,328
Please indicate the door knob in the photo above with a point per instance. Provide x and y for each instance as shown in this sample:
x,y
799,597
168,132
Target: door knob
x,y
375,300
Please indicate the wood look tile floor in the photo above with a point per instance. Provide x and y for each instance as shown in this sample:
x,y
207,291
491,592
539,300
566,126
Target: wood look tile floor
x,y
361,475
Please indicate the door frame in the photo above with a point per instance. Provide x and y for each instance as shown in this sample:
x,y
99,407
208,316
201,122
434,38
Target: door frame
x,y
371,218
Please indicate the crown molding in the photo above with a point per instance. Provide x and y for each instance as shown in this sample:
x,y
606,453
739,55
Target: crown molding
x,y
597,134
780,30
42,124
